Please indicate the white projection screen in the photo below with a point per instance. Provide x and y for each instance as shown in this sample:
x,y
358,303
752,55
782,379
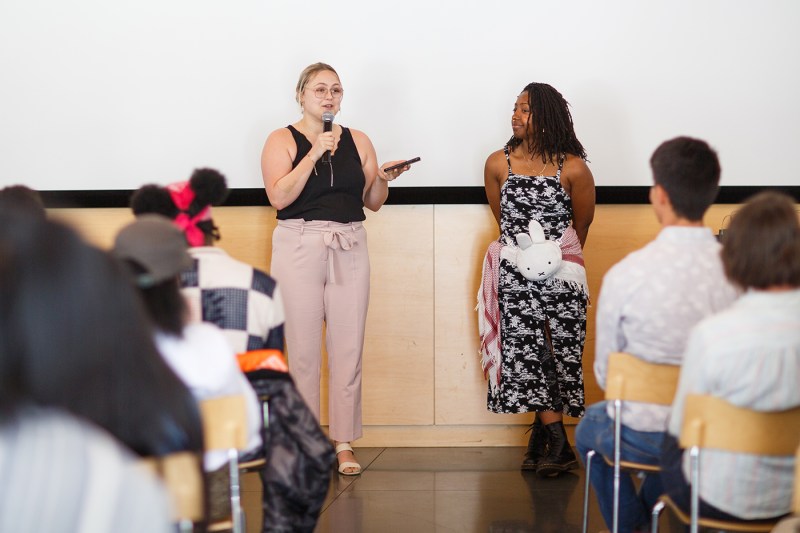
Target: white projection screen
x,y
104,95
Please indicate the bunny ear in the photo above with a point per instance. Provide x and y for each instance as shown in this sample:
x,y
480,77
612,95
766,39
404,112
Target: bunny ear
x,y
524,241
536,231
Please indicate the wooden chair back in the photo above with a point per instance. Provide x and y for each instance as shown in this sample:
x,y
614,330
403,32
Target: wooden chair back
x,y
796,498
224,423
182,475
711,422
632,379
184,479
225,428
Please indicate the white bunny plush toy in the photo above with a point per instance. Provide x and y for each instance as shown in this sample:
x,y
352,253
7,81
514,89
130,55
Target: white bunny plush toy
x,y
537,258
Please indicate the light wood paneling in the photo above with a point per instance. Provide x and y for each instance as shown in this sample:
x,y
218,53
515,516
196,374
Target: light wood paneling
x,y
423,385
462,236
398,349
98,226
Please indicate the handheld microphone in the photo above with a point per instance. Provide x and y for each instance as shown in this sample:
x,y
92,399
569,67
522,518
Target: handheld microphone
x,y
327,125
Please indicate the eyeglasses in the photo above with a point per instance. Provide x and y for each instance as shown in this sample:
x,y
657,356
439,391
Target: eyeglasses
x,y
320,92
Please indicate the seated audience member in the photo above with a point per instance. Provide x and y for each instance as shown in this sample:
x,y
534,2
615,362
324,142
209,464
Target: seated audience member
x,y
22,198
648,302
79,378
75,331
60,474
241,300
246,304
748,355
198,353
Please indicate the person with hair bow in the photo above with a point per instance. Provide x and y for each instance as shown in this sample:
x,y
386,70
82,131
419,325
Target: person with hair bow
x,y
243,301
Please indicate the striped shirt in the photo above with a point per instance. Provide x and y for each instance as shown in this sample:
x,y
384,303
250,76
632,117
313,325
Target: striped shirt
x,y
62,475
748,355
650,301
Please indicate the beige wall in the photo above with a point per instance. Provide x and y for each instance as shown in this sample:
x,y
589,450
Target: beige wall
x,y
423,385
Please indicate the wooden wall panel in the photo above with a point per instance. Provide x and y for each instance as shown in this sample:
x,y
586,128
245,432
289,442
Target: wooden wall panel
x,y
462,236
398,350
423,385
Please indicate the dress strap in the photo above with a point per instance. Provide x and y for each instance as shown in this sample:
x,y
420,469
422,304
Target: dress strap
x,y
508,159
561,159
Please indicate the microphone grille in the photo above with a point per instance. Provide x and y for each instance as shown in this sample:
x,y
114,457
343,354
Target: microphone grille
x,y
327,116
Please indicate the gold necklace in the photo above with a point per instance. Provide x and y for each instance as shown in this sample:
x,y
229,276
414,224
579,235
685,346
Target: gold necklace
x,y
529,162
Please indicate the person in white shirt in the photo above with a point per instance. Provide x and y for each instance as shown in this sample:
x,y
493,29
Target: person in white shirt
x,y
60,474
748,355
648,302
198,353
244,302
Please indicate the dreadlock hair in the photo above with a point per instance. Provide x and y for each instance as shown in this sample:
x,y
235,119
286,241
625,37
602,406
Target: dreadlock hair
x,y
552,129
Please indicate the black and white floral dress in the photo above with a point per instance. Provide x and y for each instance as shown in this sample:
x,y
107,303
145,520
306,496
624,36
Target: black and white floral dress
x,y
535,315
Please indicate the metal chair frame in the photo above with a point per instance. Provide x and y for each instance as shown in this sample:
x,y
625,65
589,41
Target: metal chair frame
x,y
710,422
225,428
630,379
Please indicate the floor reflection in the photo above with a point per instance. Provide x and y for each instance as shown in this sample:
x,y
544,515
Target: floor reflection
x,y
452,489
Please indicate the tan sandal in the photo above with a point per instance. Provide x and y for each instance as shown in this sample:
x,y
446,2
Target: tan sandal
x,y
345,447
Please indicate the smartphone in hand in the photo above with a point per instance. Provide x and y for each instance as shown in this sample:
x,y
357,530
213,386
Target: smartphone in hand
x,y
401,165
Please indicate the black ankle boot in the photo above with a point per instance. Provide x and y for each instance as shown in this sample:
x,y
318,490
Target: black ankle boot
x,y
560,456
537,446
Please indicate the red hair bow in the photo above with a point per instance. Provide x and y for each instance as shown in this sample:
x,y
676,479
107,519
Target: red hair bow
x,y
183,195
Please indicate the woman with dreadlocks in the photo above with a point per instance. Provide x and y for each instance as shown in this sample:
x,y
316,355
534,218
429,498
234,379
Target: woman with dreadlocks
x,y
533,348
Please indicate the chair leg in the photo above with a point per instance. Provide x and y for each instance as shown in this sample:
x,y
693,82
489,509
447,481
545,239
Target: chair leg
x,y
655,514
236,502
186,526
589,455
694,474
617,458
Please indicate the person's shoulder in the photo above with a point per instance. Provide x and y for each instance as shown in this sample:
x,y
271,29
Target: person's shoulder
x,y
281,135
574,160
359,137
202,252
575,165
222,261
213,254
496,163
498,156
715,329
263,282
204,334
625,271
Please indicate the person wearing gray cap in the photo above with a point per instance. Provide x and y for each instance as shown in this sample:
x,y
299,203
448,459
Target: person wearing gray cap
x,y
156,253
243,301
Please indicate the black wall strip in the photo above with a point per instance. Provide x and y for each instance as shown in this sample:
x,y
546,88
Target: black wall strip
x,y
402,196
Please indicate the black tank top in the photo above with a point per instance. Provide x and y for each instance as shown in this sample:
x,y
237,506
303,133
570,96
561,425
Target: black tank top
x,y
340,202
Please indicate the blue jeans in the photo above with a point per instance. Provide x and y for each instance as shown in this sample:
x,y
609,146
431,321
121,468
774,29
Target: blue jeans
x,y
596,432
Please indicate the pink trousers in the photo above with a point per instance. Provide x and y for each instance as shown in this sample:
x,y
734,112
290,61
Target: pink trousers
x,y
322,269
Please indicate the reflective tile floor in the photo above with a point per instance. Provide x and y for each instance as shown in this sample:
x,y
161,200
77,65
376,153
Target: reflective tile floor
x,y
460,490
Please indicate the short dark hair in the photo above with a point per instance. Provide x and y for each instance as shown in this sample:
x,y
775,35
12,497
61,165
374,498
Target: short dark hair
x,y
761,248
22,198
688,170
